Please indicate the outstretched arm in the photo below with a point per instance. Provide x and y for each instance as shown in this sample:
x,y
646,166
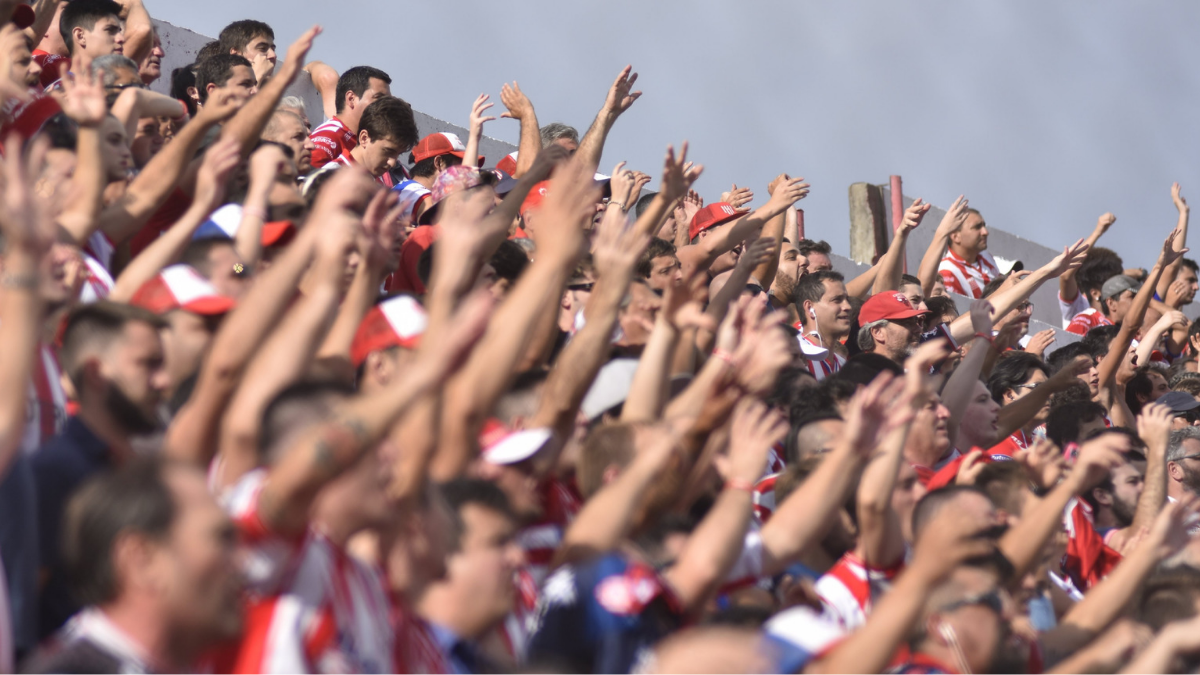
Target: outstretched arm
x,y
722,239
1154,427
960,387
891,265
520,108
620,97
1018,413
1068,288
955,216
83,101
775,227
1172,270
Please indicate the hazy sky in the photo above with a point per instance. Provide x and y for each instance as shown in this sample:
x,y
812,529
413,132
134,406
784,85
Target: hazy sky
x,y
1045,114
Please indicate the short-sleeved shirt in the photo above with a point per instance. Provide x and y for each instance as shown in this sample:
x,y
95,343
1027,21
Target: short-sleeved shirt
x,y
1086,320
602,616
967,278
60,467
850,588
331,140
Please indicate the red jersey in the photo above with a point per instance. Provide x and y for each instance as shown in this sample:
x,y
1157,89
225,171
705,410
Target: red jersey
x,y
850,588
52,66
1086,320
1088,559
332,139
967,278
405,278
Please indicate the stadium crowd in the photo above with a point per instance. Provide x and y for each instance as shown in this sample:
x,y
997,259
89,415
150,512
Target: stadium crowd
x,y
291,390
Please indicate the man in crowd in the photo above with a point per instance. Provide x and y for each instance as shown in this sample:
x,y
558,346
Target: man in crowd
x,y
967,267
253,41
356,89
890,326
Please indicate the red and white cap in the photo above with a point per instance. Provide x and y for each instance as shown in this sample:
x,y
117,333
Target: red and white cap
x,y
181,287
502,445
395,322
890,306
714,214
537,195
509,164
441,143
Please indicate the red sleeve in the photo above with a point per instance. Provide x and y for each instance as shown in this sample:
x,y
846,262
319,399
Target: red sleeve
x,y
406,278
328,148
1088,559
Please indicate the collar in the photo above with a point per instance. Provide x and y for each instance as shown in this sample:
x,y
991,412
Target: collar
x,y
93,624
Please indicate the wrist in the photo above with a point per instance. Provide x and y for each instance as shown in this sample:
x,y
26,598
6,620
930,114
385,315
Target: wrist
x,y
740,485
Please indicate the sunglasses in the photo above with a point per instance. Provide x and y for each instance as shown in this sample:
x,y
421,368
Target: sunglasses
x,y
991,600
586,287
127,85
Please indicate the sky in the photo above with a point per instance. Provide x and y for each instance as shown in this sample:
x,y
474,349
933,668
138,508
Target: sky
x,y
1044,114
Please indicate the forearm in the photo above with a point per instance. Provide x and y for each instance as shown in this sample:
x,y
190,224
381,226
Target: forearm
x,y
791,225
471,152
881,542
248,240
891,265
530,143
928,271
43,16
20,321
358,301
157,256
1133,321
591,148
648,391
247,125
81,217
765,272
1105,601
957,392
1160,657
712,549
1006,301
860,286
1023,544
139,31
324,79
1017,414
1148,344
1154,490
804,517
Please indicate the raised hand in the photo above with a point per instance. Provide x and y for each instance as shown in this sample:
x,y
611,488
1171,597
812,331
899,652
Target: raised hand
x,y
687,208
1071,258
683,304
738,197
875,410
1097,458
267,162
788,193
380,230
517,103
622,184
756,253
952,537
1169,254
298,52
913,215
981,317
1154,426
220,160
83,101
754,429
955,216
220,106
677,175
1177,197
1106,221
1176,292
970,468
617,247
619,95
570,201
25,219
477,119
1040,341
1043,461
917,383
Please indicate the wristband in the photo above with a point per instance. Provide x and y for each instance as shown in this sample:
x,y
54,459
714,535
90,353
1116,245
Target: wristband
x,y
736,484
254,212
723,355
991,340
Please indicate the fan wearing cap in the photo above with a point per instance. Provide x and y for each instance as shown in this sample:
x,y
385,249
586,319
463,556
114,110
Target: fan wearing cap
x,y
386,129
192,309
825,312
51,50
390,329
356,89
890,326
430,158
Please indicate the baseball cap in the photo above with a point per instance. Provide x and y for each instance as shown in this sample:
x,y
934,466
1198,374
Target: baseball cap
x,y
889,305
181,287
1118,285
537,195
504,181
502,445
1179,401
23,16
453,179
711,216
395,322
810,351
441,143
225,222
509,164
610,388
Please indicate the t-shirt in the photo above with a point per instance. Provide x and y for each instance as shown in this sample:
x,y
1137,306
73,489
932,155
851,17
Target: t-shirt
x,y
602,616
967,278
331,139
1086,320
850,588
52,65
312,607
1073,308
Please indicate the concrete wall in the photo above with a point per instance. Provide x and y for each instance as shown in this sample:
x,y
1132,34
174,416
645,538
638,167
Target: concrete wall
x,y
181,46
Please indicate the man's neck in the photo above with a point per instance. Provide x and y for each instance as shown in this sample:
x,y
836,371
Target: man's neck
x,y
424,181
350,120
102,424
968,255
440,605
142,626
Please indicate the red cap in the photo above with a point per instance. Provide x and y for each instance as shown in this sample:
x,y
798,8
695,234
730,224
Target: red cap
x,y
502,445
509,164
23,16
888,305
27,118
395,322
712,216
441,143
181,287
278,232
536,196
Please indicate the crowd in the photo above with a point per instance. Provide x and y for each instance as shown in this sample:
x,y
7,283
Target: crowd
x,y
292,390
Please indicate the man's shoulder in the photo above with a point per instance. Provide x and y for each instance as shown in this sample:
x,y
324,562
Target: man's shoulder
x,y
78,656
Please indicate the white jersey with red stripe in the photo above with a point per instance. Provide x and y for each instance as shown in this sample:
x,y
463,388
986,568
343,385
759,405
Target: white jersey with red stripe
x,y
1073,308
1086,320
99,282
849,589
763,495
967,278
825,368
313,607
45,401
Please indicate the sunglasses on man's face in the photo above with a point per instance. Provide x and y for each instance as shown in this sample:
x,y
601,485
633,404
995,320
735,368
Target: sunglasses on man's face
x,y
585,287
990,600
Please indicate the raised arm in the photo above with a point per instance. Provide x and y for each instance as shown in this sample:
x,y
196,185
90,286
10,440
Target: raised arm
x,y
754,252
83,102
1018,413
960,387
955,216
134,104
722,239
471,395
325,79
1154,428
774,229
891,265
219,163
620,97
139,30
1068,288
648,392
1172,270
28,234
266,163
520,108
475,129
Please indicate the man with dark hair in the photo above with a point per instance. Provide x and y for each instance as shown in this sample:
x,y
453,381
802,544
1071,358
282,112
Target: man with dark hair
x,y
1063,356
1148,385
92,28
1074,421
217,260
817,253
154,560
252,40
824,307
226,72
659,265
357,88
967,267
113,356
386,129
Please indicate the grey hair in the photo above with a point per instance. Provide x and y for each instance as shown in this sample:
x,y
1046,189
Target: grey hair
x,y
108,65
865,341
556,130
292,103
1175,445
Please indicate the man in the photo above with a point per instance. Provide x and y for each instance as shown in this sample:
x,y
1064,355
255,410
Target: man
x,y
1183,463
432,155
1190,282
557,133
51,52
824,319
226,73
252,40
478,591
288,128
1148,385
817,253
154,560
967,267
386,129
792,267
980,421
1079,293
92,28
890,326
216,259
357,88
192,309
117,73
25,70
113,356
659,266
1114,501
928,447
910,286
1116,297
150,69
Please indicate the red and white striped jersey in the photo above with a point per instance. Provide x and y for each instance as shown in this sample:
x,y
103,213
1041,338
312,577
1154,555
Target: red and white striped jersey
x,y
1087,559
331,139
99,282
1073,308
1086,320
45,401
825,368
764,498
417,650
964,278
849,589
313,607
